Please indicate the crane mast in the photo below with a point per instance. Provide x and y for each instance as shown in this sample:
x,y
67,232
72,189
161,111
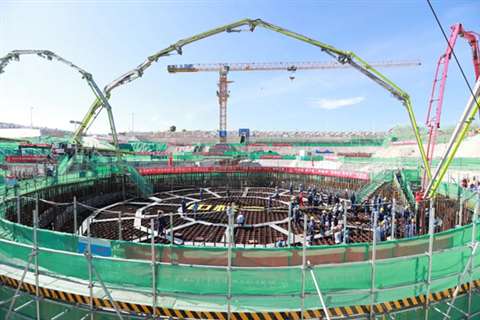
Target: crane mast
x,y
224,68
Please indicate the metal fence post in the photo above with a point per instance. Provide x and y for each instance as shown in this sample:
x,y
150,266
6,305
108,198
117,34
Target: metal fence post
x,y
171,237
230,213
345,222
154,258
75,213
120,237
289,241
90,271
394,211
460,211
35,245
474,243
304,265
374,256
19,212
431,231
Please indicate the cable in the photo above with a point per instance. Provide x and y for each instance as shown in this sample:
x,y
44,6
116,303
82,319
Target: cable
x,y
453,51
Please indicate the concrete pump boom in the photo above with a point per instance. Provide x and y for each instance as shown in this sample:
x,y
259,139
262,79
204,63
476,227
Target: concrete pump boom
x,y
438,88
101,100
343,57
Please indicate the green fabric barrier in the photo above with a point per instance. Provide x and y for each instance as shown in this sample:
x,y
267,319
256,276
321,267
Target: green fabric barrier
x,y
336,282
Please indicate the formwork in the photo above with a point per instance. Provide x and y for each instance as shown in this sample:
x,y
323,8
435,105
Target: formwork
x,y
59,275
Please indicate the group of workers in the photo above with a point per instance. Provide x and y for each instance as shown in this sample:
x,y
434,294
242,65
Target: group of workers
x,y
330,221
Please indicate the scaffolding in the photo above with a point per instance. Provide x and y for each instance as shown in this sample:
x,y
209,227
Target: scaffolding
x,y
307,279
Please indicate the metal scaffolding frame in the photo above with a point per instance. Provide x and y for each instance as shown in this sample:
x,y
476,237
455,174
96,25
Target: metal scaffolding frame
x,y
465,276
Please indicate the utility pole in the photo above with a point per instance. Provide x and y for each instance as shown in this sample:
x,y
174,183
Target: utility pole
x,y
31,117
133,123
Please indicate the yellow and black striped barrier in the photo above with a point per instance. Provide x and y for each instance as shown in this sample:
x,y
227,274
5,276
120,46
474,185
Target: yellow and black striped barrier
x,y
140,309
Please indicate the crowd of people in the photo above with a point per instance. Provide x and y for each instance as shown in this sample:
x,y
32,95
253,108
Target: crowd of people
x,y
471,183
322,213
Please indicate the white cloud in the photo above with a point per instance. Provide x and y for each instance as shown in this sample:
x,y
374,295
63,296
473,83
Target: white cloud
x,y
330,104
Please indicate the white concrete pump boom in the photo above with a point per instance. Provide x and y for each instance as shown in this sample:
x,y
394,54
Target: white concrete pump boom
x,y
51,56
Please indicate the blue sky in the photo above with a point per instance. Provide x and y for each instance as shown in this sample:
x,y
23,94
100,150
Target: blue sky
x,y
109,38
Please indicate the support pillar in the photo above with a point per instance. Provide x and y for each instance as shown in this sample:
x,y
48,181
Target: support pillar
x,y
88,255
394,217
230,214
75,215
374,257
120,237
474,244
289,241
154,259
304,265
345,231
19,209
35,258
431,230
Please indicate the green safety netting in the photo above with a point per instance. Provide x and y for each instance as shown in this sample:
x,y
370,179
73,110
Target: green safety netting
x,y
341,284
143,146
412,162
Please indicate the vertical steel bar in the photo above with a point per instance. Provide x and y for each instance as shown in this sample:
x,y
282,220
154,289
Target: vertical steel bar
x,y
431,231
231,212
304,265
345,222
124,196
460,211
394,227
90,271
75,215
320,296
374,257
120,237
20,283
474,244
35,245
289,241
154,259
19,210
171,236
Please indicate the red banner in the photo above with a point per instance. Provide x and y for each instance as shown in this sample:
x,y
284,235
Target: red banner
x,y
25,159
229,169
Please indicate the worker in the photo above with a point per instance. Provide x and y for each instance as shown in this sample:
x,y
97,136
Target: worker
x,y
280,243
338,236
241,219
290,188
353,198
296,213
300,199
195,209
184,205
276,194
311,226
310,198
160,227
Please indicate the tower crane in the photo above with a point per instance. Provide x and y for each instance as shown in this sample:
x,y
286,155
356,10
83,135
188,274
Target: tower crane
x,y
224,68
249,25
429,186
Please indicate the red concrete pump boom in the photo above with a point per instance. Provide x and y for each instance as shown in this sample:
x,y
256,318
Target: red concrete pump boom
x,y
438,88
